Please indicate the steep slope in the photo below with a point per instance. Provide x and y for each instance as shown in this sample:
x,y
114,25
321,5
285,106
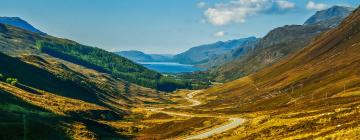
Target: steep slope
x,y
312,94
65,89
279,44
68,66
99,60
15,41
139,56
202,54
18,22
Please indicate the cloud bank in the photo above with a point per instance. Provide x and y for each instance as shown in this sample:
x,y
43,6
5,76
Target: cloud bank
x,y
237,11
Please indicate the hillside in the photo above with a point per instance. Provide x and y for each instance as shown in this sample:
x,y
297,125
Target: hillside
x,y
63,87
312,94
139,56
86,68
202,54
278,44
25,42
30,113
20,23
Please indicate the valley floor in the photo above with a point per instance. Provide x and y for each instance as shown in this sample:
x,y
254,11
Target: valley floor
x,y
188,119
227,123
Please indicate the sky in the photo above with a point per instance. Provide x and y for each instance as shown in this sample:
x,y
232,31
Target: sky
x,y
161,26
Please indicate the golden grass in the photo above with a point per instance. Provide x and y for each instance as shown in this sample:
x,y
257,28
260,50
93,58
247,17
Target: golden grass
x,y
177,128
56,104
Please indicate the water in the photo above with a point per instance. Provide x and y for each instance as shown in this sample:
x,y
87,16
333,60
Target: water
x,y
170,67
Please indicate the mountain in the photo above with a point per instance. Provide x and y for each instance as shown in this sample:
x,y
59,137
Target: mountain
x,y
314,93
333,13
209,55
18,22
136,56
139,56
278,44
202,54
70,90
229,56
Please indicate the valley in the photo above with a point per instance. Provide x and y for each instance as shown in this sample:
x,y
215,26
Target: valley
x,y
295,82
232,121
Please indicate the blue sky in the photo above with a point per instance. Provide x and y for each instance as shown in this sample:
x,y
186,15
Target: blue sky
x,y
161,26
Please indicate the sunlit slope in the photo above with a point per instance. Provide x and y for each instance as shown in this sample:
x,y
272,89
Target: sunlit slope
x,y
325,71
314,94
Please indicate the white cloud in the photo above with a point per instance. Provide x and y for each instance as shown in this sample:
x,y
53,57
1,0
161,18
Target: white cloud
x,y
219,34
201,4
316,6
236,11
283,4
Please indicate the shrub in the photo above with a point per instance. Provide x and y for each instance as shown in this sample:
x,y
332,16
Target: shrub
x,y
11,81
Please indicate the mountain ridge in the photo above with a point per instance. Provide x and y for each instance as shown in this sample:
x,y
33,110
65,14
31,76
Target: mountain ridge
x,y
18,22
139,56
203,53
279,43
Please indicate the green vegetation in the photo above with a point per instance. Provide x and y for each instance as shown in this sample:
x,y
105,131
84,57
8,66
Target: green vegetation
x,y
100,60
107,62
11,81
194,80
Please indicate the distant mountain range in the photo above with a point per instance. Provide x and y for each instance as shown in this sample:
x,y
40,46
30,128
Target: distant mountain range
x,y
20,23
204,53
208,55
139,56
279,43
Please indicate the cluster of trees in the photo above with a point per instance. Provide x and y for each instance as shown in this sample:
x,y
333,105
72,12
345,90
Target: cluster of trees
x,y
169,84
10,80
195,80
108,62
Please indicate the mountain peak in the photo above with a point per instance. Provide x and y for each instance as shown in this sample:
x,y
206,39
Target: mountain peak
x,y
20,23
333,13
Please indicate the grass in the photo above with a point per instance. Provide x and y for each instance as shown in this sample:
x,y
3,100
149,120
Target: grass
x,y
313,94
60,117
177,128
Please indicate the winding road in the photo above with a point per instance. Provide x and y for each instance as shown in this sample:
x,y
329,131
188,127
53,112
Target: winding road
x,y
232,121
